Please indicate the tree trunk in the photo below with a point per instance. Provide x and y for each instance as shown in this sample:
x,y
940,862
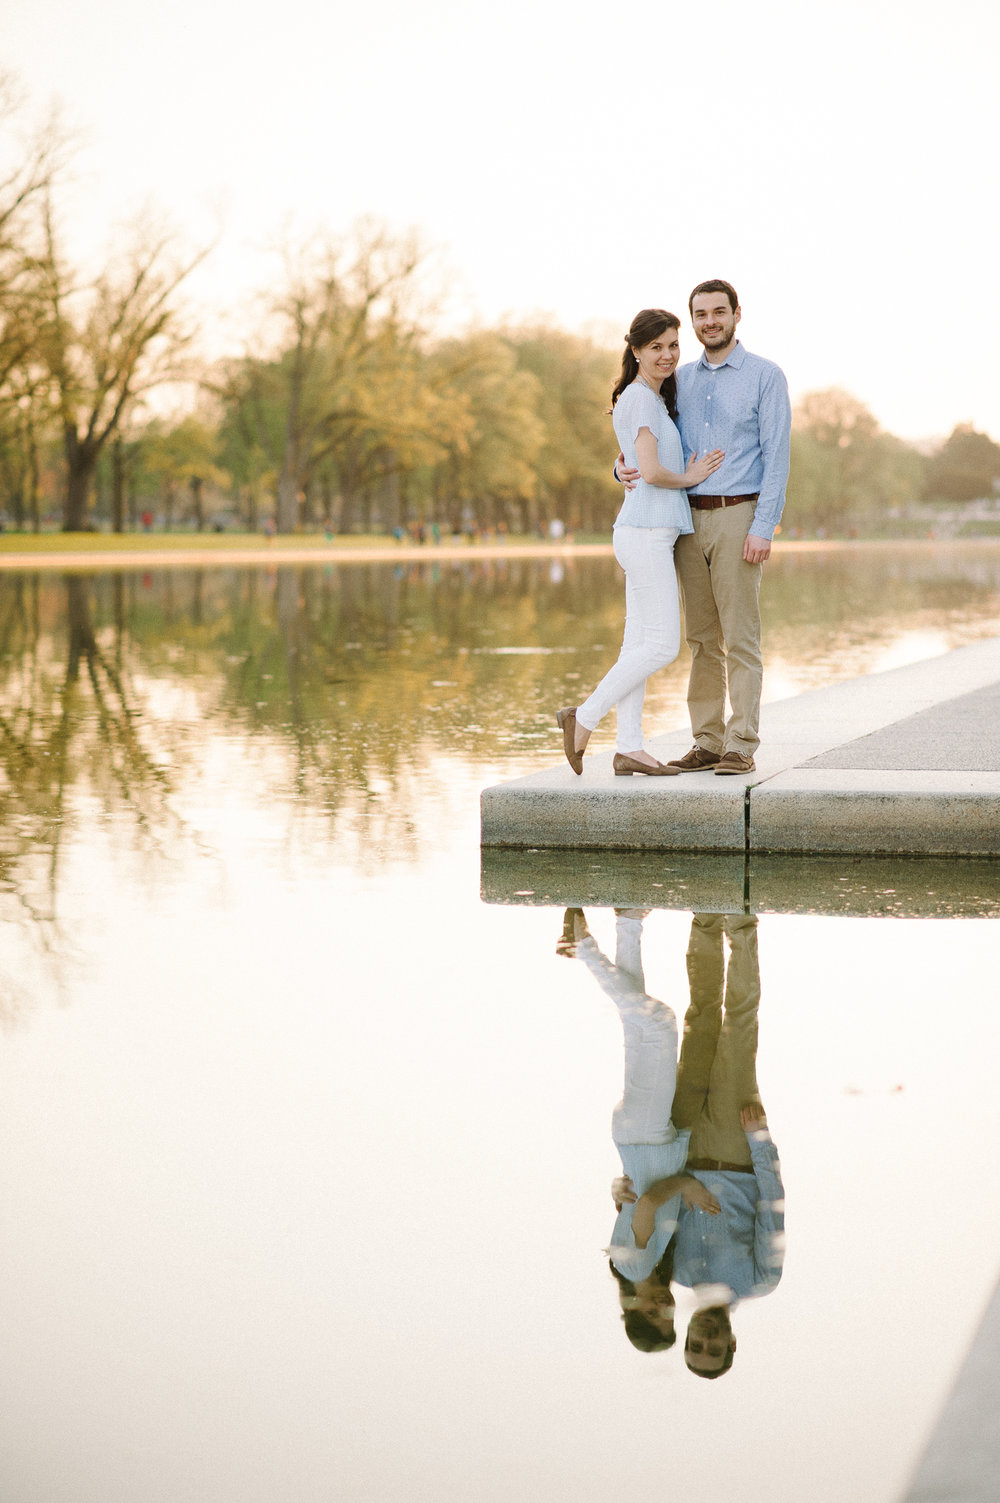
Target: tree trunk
x,y
78,486
348,508
198,502
288,500
389,501
34,485
308,514
252,511
117,486
17,503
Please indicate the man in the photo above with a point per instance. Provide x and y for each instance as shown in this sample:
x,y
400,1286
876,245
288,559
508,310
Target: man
x,y
738,402
737,1254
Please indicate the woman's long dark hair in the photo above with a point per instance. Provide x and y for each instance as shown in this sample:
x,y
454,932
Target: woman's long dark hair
x,y
640,1331
645,327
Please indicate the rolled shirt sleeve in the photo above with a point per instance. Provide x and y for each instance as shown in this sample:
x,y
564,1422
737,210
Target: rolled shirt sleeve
x,y
775,419
769,1219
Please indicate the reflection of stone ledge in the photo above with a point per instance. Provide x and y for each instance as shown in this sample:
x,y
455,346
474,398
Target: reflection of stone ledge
x,y
710,882
905,762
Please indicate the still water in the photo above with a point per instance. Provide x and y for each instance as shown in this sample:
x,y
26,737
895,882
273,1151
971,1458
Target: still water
x,y
306,1150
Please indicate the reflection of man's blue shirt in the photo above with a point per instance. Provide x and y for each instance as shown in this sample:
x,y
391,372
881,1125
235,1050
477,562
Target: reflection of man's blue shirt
x,y
742,1247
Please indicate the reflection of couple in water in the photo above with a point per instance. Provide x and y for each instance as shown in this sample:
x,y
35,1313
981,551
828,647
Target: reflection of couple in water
x,y
700,1199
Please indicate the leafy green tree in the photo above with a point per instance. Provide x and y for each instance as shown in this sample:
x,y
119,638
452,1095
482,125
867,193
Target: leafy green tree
x,y
184,457
348,331
965,468
490,467
574,464
406,417
845,471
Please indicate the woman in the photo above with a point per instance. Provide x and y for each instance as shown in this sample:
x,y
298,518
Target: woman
x,y
652,1150
653,516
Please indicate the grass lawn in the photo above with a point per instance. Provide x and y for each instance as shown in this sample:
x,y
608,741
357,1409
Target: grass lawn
x,y
173,542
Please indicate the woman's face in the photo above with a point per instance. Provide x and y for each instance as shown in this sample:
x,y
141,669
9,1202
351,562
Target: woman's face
x,y
658,359
655,1302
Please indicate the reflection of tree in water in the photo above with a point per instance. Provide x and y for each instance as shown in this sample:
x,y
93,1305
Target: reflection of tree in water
x,y
830,607
368,676
380,678
71,727
379,685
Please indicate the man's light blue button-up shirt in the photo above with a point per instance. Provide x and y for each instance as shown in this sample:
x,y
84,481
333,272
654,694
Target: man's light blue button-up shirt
x,y
743,1247
740,406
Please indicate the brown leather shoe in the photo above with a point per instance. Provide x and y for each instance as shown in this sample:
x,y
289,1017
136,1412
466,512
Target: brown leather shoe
x,y
566,721
696,760
573,930
625,766
732,762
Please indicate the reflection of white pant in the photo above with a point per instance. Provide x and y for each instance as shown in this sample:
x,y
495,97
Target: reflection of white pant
x,y
643,1114
652,630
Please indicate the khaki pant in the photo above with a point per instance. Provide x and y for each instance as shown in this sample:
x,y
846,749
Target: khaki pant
x,y
719,593
717,1073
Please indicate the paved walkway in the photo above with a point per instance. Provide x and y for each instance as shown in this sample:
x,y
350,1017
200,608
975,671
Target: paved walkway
x,y
962,1462
905,762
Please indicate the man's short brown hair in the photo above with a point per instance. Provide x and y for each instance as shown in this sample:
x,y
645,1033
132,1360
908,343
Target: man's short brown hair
x,y
718,285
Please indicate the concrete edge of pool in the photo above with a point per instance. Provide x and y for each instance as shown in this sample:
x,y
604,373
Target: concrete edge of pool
x,y
904,762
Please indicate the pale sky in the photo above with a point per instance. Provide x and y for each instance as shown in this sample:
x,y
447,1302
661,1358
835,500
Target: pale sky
x,y
835,162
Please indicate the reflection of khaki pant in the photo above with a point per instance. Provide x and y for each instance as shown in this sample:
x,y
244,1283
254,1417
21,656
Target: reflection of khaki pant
x,y
719,593
718,1064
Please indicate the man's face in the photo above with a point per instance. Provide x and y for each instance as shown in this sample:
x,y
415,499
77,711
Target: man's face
x,y
714,321
709,1341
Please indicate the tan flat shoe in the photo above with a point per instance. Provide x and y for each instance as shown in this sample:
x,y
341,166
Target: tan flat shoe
x,y
625,766
566,721
574,928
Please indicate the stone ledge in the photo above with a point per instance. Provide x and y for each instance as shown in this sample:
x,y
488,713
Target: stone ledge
x,y
793,806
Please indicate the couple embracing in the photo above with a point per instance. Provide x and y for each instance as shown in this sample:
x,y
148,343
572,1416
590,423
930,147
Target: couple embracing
x,y
704,460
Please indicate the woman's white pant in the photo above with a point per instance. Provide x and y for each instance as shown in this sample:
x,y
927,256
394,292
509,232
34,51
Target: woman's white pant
x,y
650,1028
652,630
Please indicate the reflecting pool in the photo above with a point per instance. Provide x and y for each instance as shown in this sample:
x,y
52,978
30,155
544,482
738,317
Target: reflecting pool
x,y
309,1118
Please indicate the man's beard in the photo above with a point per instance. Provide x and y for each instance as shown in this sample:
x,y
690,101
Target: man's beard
x,y
718,341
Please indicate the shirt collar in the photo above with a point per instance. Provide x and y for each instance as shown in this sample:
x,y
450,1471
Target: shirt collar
x,y
735,358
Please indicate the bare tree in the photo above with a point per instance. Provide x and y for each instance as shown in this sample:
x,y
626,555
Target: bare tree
x,y
107,344
30,162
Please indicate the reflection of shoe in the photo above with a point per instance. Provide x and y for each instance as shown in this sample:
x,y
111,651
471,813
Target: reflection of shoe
x,y
734,762
625,766
566,721
566,944
696,760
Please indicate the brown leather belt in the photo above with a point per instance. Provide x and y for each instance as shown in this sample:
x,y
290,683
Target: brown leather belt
x,y
719,1164
710,503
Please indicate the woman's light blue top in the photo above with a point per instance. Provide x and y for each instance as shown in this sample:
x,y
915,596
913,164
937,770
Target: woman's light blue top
x,y
650,505
645,1164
